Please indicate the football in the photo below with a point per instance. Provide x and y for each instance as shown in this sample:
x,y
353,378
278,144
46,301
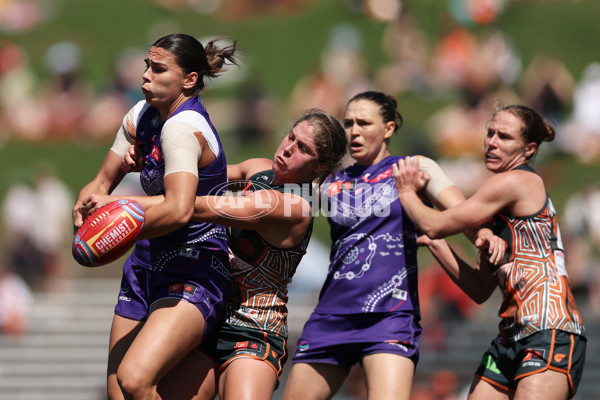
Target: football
x,y
108,233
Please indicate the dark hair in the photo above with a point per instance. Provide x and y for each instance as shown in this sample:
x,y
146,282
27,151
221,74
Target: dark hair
x,y
535,128
387,106
191,56
329,137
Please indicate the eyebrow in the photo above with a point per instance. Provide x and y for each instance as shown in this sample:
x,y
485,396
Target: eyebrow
x,y
149,61
303,143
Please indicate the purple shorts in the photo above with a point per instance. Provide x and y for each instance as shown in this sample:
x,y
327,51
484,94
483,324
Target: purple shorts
x,y
345,339
141,287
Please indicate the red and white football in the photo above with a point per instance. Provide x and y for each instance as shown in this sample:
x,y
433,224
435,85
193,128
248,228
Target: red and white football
x,y
108,233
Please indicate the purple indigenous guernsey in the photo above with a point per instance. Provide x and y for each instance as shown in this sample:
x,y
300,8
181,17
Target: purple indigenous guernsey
x,y
373,260
194,240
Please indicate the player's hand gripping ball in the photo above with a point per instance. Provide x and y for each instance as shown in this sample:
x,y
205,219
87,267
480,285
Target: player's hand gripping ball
x,y
108,233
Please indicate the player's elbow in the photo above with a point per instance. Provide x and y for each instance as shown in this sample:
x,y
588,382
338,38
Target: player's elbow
x,y
479,299
182,215
433,232
482,293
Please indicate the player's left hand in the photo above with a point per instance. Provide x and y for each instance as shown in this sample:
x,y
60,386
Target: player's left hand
x,y
494,245
407,175
95,201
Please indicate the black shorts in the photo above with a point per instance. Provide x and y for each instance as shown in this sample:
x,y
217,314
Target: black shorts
x,y
503,365
230,343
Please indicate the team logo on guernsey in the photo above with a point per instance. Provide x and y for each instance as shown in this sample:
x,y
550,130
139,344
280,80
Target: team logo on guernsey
x,y
155,153
339,186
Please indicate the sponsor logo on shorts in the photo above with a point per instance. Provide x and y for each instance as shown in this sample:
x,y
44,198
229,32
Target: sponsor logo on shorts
x,y
184,288
303,345
401,345
122,295
533,357
490,364
248,345
558,357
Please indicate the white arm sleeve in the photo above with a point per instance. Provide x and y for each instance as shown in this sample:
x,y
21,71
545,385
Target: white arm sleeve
x,y
438,180
180,148
123,140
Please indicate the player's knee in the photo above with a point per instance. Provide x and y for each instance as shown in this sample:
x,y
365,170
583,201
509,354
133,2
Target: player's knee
x,y
133,382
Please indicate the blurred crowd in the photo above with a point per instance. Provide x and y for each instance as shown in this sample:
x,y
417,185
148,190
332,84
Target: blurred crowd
x,y
466,70
469,66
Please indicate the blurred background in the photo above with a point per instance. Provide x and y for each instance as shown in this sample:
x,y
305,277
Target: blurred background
x,y
70,70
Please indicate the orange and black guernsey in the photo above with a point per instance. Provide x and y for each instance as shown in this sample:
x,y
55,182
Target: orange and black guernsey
x,y
535,286
261,272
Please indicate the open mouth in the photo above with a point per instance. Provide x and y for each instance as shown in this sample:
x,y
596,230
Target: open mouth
x,y
490,156
355,146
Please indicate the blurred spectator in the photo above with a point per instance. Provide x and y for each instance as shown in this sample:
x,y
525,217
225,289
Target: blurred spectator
x,y
256,110
547,86
475,12
444,385
16,300
383,10
20,214
20,109
442,303
239,9
406,46
316,90
581,239
582,212
20,15
53,229
105,114
474,64
451,57
340,74
66,95
440,295
457,129
38,228
581,132
440,385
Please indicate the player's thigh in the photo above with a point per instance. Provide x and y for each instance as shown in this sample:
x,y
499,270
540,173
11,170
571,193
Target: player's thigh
x,y
388,376
122,333
247,378
482,390
547,385
173,329
313,381
194,378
